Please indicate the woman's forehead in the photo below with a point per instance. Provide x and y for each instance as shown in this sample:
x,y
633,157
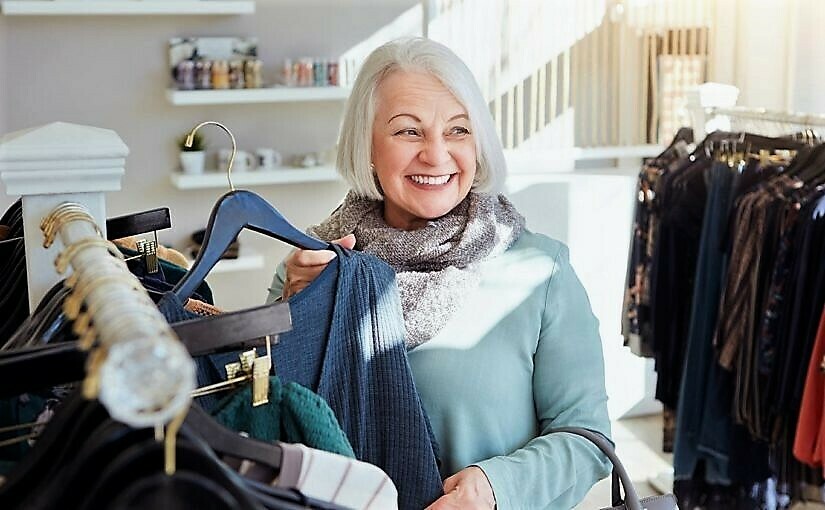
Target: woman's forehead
x,y
402,90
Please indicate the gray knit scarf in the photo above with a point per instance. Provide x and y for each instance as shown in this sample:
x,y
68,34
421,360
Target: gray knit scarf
x,y
435,265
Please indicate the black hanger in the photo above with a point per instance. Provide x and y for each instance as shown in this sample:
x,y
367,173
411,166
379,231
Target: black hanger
x,y
232,213
116,228
684,134
57,363
138,223
811,167
228,442
243,329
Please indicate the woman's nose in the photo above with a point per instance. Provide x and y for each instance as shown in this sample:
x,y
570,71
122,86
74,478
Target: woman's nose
x,y
435,152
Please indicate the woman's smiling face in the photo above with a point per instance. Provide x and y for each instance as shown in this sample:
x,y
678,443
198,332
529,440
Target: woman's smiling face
x,y
423,149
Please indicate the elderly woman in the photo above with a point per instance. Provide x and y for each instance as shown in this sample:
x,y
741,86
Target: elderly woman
x,y
501,339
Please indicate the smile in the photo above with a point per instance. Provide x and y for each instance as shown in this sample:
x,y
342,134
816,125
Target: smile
x,y
431,180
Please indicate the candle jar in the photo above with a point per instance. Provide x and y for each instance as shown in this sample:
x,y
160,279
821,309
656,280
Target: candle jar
x,y
185,75
203,74
236,78
252,74
332,73
220,74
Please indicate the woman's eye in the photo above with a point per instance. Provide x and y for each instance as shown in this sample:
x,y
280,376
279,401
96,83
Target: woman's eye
x,y
408,132
459,130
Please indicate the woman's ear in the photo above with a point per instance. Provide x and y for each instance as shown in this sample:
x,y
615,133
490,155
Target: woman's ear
x,y
477,175
377,182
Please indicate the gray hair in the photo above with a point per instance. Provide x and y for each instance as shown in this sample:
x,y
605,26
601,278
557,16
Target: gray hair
x,y
414,54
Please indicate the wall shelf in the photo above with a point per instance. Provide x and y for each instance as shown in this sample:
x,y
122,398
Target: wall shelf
x,y
264,95
247,260
216,179
124,7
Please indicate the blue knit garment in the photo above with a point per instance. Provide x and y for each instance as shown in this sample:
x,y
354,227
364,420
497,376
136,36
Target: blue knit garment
x,y
347,345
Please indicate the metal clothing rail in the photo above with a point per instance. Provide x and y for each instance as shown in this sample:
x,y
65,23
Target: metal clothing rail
x,y
764,115
137,367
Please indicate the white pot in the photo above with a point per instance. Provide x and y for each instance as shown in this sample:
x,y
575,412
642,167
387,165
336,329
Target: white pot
x,y
192,162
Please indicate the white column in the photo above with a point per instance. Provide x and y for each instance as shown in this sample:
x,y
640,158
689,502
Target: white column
x,y
52,164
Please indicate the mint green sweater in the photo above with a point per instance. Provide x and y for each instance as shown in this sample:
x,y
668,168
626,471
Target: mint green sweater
x,y
523,355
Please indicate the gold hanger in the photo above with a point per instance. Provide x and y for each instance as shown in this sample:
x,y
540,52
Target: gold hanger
x,y
65,257
67,211
73,303
171,435
190,138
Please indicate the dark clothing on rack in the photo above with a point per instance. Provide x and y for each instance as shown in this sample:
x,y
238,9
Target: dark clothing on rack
x,y
347,345
706,431
636,319
293,415
697,374
14,292
682,199
738,247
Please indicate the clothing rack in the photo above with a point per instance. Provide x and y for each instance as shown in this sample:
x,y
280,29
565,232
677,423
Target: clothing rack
x,y
761,121
138,369
752,406
712,106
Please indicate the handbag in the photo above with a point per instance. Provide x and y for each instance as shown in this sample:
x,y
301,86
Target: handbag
x,y
620,478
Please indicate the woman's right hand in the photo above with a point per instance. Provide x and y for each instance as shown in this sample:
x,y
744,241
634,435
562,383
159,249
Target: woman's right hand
x,y
302,266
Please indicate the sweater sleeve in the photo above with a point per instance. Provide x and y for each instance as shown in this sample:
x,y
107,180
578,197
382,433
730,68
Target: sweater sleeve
x,y
557,470
277,286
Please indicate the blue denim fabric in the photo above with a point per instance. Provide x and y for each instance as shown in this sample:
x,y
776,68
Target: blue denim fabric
x,y
347,345
698,377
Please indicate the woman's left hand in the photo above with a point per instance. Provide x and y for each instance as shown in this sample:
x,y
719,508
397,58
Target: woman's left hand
x,y
469,488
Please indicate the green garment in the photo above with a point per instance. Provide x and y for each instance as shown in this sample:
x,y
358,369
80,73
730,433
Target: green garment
x,y
294,414
523,355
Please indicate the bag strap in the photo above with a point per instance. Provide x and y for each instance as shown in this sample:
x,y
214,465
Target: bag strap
x,y
631,499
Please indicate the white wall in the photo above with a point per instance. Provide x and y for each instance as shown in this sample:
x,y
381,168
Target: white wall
x,y
773,50
809,78
4,76
112,71
591,211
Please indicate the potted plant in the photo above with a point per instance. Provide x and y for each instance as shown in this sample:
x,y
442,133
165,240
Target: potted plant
x,y
192,158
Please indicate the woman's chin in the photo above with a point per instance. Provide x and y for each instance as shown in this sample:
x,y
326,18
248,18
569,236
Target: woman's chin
x,y
435,211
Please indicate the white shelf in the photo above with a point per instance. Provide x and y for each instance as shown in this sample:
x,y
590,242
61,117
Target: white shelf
x,y
216,179
124,7
264,95
247,261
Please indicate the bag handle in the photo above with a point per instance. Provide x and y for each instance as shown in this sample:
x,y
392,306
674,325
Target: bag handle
x,y
631,499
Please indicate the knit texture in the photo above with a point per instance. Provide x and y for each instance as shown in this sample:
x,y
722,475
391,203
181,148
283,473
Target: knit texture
x,y
435,265
347,345
294,415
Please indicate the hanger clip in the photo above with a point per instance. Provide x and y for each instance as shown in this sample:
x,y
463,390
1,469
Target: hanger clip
x,y
260,381
260,376
149,252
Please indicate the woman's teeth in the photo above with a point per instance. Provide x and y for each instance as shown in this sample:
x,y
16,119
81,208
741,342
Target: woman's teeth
x,y
428,179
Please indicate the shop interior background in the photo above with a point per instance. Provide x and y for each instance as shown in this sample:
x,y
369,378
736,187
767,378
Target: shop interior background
x,y
581,90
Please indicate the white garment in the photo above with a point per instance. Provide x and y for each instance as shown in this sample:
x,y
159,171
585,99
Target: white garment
x,y
335,478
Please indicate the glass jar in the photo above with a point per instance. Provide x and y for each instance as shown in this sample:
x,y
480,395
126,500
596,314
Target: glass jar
x,y
220,74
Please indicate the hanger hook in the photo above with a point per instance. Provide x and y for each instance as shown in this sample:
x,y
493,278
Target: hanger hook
x,y
190,138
